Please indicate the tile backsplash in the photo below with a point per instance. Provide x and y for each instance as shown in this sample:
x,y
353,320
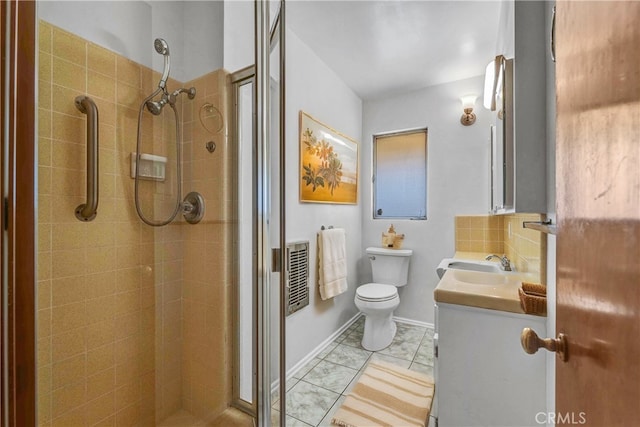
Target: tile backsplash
x,y
504,234
479,234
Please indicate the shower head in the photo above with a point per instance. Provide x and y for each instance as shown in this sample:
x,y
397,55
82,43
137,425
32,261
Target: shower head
x,y
161,46
155,107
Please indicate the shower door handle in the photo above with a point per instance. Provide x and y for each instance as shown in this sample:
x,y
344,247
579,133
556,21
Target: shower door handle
x,y
276,259
88,210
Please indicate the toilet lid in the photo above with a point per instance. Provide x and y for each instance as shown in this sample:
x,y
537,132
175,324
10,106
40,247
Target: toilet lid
x,y
376,292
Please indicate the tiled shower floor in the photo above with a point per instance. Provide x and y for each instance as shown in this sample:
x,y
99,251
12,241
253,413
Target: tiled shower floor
x,y
317,390
229,418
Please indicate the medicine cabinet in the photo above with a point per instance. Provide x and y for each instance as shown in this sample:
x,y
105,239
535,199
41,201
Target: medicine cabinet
x,y
515,88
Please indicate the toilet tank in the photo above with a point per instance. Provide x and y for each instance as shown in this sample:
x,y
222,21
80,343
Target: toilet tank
x,y
390,266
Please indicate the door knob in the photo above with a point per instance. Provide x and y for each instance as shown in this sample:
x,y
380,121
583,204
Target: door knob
x,y
531,342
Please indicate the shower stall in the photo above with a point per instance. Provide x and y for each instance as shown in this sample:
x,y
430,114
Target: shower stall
x,y
142,306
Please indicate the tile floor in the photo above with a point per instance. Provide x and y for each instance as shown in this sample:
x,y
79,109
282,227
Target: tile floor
x,y
317,390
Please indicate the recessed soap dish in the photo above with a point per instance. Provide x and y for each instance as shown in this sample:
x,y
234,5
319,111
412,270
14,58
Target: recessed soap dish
x,y
151,168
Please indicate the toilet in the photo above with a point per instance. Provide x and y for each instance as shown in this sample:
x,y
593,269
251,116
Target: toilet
x,y
378,300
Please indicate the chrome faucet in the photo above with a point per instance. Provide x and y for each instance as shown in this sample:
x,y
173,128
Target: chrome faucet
x,y
504,261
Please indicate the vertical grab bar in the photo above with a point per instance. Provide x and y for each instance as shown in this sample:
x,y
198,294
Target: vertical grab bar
x,y
88,210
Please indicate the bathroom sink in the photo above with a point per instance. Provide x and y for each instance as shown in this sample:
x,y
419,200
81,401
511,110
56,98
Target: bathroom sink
x,y
484,266
474,278
468,265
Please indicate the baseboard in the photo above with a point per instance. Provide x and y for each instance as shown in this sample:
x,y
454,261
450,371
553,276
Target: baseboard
x,y
413,322
316,351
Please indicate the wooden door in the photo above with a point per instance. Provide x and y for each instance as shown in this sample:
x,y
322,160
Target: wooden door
x,y
598,210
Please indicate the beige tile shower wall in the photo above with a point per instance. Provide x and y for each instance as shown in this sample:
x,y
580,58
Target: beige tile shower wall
x,y
479,234
109,291
208,248
525,248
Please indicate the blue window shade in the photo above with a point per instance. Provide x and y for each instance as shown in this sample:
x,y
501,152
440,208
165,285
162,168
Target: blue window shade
x,y
400,175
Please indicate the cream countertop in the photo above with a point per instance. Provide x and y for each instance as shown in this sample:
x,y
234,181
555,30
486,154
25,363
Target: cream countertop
x,y
495,291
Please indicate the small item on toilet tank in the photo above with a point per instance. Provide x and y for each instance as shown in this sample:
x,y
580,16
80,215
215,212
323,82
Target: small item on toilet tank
x,y
397,241
391,239
388,237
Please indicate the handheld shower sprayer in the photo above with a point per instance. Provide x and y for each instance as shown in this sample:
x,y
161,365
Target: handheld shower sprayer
x,y
155,107
192,207
162,48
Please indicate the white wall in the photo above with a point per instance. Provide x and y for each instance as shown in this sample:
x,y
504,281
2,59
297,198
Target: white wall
x,y
314,88
457,181
203,34
238,35
193,30
505,44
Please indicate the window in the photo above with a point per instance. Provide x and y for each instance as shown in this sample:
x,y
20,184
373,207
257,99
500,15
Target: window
x,y
400,174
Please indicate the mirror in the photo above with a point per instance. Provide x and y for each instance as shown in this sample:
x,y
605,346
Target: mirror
x,y
502,139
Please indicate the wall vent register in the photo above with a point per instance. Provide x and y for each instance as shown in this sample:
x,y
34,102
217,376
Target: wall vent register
x,y
297,288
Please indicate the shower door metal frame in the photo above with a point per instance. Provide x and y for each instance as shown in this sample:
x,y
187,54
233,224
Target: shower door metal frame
x,y
261,88
280,29
239,79
265,39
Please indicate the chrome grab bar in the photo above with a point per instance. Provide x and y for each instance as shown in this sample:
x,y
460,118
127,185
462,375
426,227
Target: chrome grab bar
x,y
88,211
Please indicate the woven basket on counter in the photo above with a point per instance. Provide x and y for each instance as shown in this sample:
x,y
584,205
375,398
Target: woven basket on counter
x,y
533,298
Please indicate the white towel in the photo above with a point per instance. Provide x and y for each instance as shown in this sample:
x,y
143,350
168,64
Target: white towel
x,y
332,263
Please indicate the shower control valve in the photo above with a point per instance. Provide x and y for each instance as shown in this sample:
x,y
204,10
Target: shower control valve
x,y
193,207
187,207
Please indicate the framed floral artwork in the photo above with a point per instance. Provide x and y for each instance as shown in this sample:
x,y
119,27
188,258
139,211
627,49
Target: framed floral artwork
x,y
328,164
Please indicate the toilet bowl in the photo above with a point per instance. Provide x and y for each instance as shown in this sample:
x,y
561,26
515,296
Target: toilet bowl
x,y
379,299
377,302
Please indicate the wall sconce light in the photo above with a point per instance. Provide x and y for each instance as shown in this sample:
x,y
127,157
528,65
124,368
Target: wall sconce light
x,y
469,117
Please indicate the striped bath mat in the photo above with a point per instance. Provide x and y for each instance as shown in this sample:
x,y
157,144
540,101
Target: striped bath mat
x,y
387,395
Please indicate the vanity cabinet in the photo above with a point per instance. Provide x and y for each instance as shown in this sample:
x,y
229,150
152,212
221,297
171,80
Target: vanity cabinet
x,y
517,83
483,376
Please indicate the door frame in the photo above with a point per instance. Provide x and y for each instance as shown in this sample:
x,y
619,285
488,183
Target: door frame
x,y
19,213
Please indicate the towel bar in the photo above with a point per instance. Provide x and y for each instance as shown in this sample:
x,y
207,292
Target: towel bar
x,y
543,226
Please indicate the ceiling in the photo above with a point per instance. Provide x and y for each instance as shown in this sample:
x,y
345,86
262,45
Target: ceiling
x,y
384,47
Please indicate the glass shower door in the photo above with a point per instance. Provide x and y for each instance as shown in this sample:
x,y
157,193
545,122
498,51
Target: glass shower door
x,y
134,319
259,203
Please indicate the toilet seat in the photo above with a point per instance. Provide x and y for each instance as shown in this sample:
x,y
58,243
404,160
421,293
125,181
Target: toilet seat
x,y
376,292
